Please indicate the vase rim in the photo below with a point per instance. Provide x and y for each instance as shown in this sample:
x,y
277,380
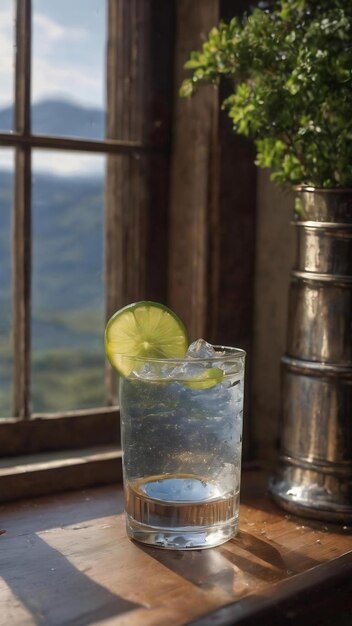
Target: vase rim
x,y
332,190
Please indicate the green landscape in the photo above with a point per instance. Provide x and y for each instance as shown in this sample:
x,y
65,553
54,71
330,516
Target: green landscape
x,y
67,323
67,293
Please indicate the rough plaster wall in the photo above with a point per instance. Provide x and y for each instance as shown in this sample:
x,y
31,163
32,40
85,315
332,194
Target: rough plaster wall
x,y
274,253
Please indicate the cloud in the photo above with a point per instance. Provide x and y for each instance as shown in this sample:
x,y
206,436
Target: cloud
x,y
68,164
73,83
48,31
67,63
59,163
6,159
61,63
7,57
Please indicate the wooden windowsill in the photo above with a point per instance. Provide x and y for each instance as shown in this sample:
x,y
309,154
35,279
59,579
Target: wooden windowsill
x,y
65,559
62,470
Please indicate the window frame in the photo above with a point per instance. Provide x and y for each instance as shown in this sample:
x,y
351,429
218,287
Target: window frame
x,y
26,432
170,147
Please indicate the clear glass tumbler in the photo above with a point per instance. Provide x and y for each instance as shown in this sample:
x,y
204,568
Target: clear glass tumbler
x,y
181,425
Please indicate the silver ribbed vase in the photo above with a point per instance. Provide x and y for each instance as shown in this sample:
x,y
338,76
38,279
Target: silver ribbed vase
x,y
314,477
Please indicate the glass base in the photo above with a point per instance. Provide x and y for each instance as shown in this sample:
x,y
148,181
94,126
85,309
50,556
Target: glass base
x,y
186,538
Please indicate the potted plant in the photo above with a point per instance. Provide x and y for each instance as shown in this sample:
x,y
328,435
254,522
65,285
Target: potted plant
x,y
290,65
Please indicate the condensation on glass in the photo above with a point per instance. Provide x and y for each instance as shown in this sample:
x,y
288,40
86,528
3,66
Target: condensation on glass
x,y
67,281
68,68
182,444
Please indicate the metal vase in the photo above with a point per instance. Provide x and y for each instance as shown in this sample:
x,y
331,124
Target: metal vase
x,y
314,476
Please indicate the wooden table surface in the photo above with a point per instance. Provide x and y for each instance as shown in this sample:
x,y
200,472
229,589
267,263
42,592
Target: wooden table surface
x,y
66,559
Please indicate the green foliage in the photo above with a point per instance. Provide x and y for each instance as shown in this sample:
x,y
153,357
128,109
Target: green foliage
x,y
67,330
291,71
65,379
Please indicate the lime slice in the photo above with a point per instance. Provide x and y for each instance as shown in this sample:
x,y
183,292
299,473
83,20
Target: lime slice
x,y
143,329
206,379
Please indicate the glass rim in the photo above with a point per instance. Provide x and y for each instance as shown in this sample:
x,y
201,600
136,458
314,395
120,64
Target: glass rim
x,y
228,354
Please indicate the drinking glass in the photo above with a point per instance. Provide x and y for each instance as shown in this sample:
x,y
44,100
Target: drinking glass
x,y
181,426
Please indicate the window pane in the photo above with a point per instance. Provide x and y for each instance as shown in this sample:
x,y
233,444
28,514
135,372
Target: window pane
x,y
6,186
7,58
68,67
67,281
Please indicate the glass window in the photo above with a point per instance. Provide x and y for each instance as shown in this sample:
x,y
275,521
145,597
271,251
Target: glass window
x,y
7,58
67,281
68,68
6,187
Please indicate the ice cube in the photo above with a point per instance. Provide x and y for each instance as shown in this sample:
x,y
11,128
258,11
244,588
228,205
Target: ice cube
x,y
200,349
187,369
153,371
197,364
233,370
198,368
146,371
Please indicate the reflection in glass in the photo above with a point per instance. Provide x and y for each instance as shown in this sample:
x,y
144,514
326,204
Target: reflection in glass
x,y
67,281
68,68
6,186
7,58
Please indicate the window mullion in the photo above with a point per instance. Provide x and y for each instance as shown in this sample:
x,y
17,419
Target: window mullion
x,y
21,220
194,210
106,146
139,99
126,188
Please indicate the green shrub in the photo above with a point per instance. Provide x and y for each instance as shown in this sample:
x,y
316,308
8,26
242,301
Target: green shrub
x,y
291,70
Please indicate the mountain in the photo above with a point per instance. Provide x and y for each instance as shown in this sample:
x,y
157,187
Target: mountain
x,y
67,273
59,117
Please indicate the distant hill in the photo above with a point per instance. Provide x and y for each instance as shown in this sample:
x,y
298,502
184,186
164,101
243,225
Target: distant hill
x,y
67,236
67,293
67,272
58,117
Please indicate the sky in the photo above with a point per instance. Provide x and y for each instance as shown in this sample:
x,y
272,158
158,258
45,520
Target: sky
x,y
68,63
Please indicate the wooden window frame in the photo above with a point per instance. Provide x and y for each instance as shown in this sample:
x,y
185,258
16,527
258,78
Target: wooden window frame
x,y
169,234
127,136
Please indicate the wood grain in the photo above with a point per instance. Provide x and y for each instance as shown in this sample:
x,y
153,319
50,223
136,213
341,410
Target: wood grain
x,y
41,474
212,234
139,84
21,220
56,431
194,191
233,315
53,142
67,560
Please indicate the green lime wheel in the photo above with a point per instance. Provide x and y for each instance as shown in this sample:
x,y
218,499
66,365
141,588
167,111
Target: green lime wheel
x,y
206,379
143,330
